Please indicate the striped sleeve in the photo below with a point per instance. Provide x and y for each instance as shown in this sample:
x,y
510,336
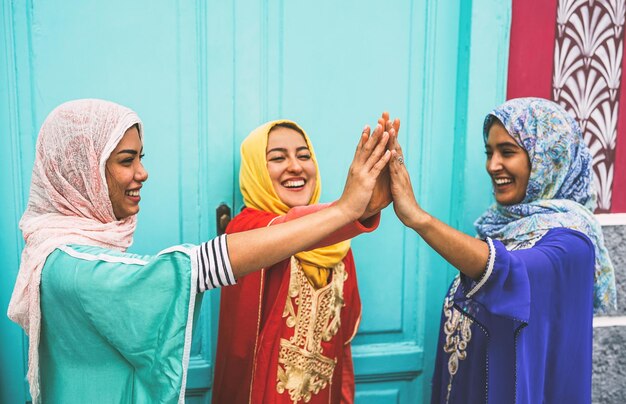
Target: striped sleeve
x,y
213,263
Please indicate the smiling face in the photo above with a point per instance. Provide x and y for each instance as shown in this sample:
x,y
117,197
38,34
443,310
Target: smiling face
x,y
125,174
507,164
290,166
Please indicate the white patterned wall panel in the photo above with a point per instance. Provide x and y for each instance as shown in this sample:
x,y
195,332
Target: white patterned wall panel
x,y
586,80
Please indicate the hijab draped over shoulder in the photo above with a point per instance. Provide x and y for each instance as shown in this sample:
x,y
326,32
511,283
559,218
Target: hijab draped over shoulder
x,y
560,189
68,202
258,193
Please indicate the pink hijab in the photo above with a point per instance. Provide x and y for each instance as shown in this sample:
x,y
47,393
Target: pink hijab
x,y
69,202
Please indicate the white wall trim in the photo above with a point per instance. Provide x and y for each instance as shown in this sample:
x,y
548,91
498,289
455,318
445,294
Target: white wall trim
x,y
609,321
611,219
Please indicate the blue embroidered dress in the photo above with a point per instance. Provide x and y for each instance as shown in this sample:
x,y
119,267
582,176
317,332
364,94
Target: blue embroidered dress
x,y
523,334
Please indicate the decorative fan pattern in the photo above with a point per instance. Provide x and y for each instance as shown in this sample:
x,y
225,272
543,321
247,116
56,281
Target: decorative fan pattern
x,y
586,80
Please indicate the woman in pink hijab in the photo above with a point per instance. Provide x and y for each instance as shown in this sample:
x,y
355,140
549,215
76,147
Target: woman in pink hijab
x,y
109,326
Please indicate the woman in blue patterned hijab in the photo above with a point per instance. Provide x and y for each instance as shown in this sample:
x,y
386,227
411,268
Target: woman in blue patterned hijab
x,y
517,322
560,190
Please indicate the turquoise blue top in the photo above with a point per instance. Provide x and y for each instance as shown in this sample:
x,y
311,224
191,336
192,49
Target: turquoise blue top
x,y
116,327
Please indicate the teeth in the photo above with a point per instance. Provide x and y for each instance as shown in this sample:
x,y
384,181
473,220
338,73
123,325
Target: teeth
x,y
293,184
502,181
132,193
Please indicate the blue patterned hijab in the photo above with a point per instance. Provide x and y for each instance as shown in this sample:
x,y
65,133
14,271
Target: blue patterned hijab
x,y
560,191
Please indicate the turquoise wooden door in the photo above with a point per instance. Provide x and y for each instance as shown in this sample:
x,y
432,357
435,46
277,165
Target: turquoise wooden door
x,y
203,74
334,66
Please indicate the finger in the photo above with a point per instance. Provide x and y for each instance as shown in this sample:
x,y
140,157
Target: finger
x,y
384,117
365,134
378,130
378,151
393,140
381,164
395,166
397,171
359,147
396,125
388,126
364,138
399,174
401,186
373,140
397,146
364,148
392,133
366,130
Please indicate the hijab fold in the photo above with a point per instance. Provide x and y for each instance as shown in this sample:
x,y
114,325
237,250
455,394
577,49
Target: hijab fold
x,y
258,193
68,202
560,190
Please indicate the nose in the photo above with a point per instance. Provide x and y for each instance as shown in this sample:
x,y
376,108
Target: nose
x,y
294,166
141,174
494,163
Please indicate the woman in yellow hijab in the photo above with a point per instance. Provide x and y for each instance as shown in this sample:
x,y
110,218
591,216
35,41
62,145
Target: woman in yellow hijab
x,y
285,331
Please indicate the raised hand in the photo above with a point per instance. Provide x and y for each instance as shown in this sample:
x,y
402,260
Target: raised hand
x,y
404,204
251,250
381,196
370,159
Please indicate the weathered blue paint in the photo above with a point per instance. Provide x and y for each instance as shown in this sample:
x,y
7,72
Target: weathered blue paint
x,y
204,74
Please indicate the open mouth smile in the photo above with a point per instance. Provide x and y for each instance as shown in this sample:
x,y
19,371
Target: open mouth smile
x,y
133,194
501,181
294,184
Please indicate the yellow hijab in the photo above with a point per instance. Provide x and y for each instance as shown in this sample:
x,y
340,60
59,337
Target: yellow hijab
x,y
258,193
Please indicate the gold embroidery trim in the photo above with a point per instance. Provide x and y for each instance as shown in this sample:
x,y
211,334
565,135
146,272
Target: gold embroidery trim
x,y
315,316
458,334
258,330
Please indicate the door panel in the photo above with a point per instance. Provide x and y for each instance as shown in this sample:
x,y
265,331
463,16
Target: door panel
x,y
341,65
12,360
163,60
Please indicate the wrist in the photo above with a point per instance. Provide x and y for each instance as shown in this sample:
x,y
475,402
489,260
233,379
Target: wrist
x,y
370,223
346,213
366,215
421,221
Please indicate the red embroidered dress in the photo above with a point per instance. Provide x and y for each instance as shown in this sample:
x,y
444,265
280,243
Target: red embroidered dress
x,y
282,341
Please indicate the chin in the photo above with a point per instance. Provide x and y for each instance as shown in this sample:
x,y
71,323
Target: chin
x,y
131,213
293,202
508,201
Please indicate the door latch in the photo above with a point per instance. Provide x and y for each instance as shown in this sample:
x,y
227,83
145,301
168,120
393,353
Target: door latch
x,y
222,218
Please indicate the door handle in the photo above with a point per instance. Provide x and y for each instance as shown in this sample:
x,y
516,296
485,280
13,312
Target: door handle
x,y
222,218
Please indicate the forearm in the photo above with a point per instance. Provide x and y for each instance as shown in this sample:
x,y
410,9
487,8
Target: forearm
x,y
467,254
347,232
259,248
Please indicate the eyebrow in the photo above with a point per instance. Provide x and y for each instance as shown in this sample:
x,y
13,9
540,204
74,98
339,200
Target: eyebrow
x,y
283,150
129,151
503,144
